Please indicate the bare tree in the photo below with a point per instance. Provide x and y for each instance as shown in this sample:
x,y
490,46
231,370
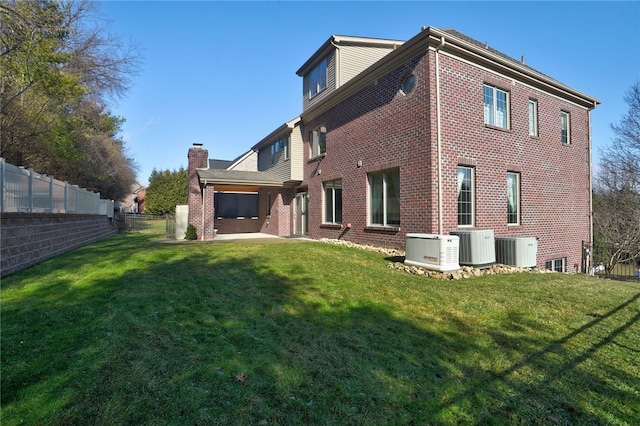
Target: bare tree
x,y
60,69
616,198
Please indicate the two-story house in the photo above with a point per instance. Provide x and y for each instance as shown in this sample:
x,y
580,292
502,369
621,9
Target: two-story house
x,y
436,134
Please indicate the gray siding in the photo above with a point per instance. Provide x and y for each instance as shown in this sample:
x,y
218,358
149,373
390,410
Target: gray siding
x,y
331,84
280,169
352,61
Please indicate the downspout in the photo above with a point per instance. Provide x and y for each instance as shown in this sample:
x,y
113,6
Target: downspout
x,y
589,264
204,227
439,137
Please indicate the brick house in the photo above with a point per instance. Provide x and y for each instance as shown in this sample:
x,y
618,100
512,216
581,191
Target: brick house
x,y
436,134
134,201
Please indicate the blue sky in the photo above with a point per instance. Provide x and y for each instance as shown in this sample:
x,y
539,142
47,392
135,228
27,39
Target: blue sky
x,y
223,73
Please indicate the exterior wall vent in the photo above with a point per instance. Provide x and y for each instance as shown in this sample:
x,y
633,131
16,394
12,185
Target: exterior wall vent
x,y
431,251
517,251
477,247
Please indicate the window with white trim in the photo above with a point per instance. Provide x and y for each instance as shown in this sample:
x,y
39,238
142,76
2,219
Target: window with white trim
x,y
496,107
384,198
318,141
533,117
466,196
318,78
565,127
558,265
333,202
513,198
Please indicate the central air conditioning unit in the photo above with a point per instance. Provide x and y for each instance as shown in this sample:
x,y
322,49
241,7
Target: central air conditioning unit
x,y
477,247
430,251
517,251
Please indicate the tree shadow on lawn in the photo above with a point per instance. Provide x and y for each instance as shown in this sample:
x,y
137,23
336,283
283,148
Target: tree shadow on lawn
x,y
205,340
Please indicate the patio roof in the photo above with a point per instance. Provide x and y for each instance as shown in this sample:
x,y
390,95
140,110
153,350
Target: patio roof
x,y
237,177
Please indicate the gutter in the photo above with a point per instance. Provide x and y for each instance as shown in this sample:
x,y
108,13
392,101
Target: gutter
x,y
427,39
282,130
521,71
204,228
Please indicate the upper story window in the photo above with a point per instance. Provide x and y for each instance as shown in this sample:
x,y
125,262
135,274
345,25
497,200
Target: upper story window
x,y
278,146
466,196
408,83
318,141
496,107
318,78
565,127
533,117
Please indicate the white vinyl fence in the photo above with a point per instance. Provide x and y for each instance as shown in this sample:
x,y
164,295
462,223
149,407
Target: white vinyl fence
x,y
24,190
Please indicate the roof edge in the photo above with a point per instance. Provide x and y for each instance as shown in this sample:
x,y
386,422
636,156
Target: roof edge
x,y
510,63
430,38
279,131
325,48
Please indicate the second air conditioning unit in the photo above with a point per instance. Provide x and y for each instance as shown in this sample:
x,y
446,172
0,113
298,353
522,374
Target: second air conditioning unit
x,y
431,251
517,251
477,247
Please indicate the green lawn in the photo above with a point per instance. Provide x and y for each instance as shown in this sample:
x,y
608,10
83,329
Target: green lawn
x,y
133,331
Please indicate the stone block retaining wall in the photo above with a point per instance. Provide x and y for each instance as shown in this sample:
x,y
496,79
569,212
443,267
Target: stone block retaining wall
x,y
29,238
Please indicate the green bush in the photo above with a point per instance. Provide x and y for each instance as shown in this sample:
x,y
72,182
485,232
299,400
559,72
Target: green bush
x,y
191,233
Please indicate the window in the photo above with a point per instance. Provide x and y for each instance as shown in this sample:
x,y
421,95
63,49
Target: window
x,y
277,146
533,117
333,201
318,78
384,198
496,107
236,204
318,141
465,196
557,265
286,148
408,83
565,129
513,198
268,204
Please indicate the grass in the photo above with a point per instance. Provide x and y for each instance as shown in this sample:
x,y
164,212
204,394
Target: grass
x,y
133,331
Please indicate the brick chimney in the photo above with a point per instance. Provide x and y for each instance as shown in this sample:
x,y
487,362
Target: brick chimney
x,y
198,159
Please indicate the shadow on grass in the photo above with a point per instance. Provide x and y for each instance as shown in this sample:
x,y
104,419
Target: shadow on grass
x,y
208,339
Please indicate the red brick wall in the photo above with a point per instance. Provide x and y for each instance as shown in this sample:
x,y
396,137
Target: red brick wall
x,y
379,128
383,128
280,221
238,226
198,158
554,177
